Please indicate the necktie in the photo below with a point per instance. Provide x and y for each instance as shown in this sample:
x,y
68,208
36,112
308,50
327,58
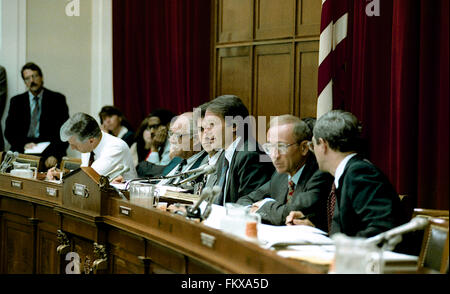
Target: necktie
x,y
331,203
34,119
291,187
223,176
180,166
91,158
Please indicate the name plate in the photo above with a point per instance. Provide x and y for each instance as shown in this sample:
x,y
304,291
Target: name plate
x,y
207,240
125,210
16,184
80,190
51,192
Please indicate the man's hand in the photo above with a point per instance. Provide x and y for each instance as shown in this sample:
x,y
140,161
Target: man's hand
x,y
158,138
118,180
29,145
256,206
50,162
53,173
298,218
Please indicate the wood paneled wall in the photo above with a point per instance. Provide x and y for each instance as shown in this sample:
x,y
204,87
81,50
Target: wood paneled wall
x,y
266,52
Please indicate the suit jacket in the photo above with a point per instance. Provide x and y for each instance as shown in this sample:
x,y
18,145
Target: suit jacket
x,y
3,90
247,171
176,160
310,196
366,202
54,113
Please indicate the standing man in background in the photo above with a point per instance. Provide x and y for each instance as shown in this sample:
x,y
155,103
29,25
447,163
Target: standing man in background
x,y
36,116
3,92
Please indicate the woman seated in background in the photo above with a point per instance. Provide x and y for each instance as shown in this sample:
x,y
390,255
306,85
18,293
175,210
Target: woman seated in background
x,y
151,141
112,121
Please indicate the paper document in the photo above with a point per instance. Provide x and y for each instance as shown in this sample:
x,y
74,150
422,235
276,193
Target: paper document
x,y
312,253
38,149
285,235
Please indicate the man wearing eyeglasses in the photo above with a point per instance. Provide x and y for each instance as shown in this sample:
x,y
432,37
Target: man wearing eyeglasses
x,y
36,116
185,148
297,184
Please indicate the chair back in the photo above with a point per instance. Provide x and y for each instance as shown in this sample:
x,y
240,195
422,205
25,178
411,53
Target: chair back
x,y
433,256
33,160
70,163
430,213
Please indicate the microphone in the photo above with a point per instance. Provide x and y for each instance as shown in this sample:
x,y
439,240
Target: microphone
x,y
207,169
193,211
195,170
417,223
119,170
5,160
8,161
215,193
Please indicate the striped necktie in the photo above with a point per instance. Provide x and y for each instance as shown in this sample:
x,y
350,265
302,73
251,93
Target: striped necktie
x,y
331,203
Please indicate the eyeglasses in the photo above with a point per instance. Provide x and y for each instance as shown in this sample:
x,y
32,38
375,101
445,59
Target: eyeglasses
x,y
149,127
280,147
177,136
311,146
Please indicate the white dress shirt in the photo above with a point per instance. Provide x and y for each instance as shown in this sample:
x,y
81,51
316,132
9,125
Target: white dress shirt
x,y
340,169
110,152
229,154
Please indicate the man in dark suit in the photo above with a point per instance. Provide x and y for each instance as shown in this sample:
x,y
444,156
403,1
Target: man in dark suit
x,y
185,148
243,166
362,202
297,183
37,116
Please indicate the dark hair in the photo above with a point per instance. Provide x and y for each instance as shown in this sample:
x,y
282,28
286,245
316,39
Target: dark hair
x,y
165,116
231,108
310,121
109,110
340,129
228,106
32,66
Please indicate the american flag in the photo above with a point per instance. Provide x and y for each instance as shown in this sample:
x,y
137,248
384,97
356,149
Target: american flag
x,y
333,36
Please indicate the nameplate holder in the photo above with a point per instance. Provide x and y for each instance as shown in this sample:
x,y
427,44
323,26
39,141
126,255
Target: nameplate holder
x,y
126,211
207,240
51,192
80,190
16,184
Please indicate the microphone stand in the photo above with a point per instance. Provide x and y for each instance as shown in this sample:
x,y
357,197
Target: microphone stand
x,y
389,239
194,211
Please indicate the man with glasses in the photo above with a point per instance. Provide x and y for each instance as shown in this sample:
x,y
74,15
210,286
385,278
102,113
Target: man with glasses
x,y
362,201
185,148
36,116
297,184
242,166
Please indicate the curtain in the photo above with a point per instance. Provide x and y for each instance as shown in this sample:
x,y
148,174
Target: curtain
x,y
161,55
397,85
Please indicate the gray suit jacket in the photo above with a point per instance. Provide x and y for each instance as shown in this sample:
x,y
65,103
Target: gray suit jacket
x,y
310,196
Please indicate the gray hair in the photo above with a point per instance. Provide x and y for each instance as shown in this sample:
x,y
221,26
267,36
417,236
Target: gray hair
x,y
340,129
301,130
82,126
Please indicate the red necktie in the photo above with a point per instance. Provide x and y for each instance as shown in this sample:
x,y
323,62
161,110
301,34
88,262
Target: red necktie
x,y
331,203
290,191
